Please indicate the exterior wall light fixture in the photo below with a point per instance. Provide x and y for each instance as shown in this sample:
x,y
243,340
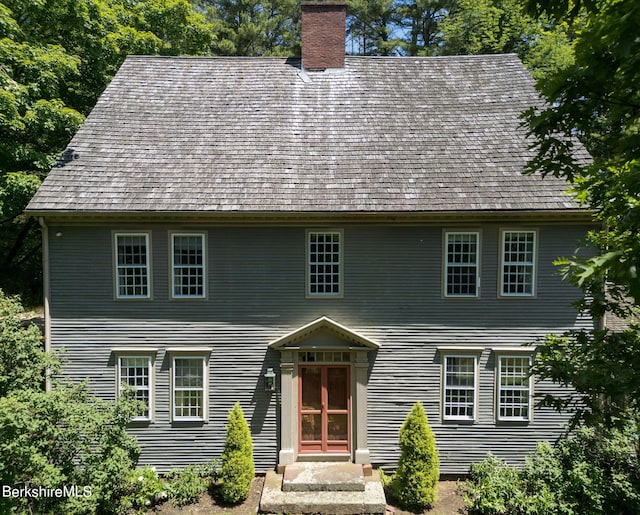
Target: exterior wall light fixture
x,y
269,380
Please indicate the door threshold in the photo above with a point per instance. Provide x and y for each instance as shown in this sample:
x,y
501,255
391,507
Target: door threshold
x,y
324,457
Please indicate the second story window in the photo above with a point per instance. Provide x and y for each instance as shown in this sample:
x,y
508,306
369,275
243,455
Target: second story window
x,y
518,263
132,266
324,263
188,266
461,264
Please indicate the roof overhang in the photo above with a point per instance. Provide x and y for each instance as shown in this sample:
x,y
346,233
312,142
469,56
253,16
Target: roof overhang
x,y
563,216
321,324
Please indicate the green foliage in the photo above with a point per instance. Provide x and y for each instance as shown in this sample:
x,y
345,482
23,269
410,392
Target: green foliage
x,y
418,471
23,361
65,437
186,485
144,488
597,100
593,471
237,469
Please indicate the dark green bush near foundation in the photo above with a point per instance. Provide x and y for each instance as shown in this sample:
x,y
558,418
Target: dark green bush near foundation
x,y
593,471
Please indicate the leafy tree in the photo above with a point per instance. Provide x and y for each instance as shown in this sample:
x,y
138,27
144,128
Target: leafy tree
x,y
597,100
418,471
56,58
370,24
237,470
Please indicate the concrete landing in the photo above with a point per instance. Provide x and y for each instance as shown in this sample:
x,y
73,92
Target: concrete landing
x,y
322,497
323,477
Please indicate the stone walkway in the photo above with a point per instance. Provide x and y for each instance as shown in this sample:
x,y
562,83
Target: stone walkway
x,y
319,487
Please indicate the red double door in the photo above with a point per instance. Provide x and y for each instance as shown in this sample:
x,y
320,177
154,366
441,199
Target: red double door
x,y
324,409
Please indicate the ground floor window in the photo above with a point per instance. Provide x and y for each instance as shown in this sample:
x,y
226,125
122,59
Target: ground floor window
x,y
136,372
189,388
514,388
460,387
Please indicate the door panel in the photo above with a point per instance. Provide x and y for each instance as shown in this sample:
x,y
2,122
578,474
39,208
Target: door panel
x,y
324,419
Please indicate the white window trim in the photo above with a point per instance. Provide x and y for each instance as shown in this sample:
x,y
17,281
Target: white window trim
x,y
308,292
534,264
445,263
116,266
475,355
148,354
172,294
506,354
190,354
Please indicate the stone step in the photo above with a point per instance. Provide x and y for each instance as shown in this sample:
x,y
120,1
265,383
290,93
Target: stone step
x,y
369,501
323,477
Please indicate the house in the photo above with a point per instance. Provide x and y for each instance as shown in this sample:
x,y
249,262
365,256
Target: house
x,y
326,240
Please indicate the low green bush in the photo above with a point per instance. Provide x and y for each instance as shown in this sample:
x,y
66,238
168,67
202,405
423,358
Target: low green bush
x,y
186,485
237,471
593,471
416,478
143,490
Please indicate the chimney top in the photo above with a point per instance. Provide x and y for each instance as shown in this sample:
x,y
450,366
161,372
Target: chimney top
x,y
323,35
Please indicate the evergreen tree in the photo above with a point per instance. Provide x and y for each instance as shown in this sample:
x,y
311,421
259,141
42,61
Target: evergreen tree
x,y
418,471
237,469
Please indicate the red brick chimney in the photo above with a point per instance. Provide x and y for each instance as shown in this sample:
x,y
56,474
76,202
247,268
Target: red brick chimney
x,y
323,35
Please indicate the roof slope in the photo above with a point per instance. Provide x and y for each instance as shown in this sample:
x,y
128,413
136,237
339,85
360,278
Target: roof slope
x,y
259,135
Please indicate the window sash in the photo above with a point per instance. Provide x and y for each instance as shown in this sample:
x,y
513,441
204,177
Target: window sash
x,y
136,372
518,263
514,388
324,263
462,264
189,388
188,265
459,392
132,265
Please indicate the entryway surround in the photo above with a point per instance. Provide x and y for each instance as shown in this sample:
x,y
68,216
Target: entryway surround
x,y
315,349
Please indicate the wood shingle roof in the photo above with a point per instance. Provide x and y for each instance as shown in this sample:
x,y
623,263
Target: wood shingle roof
x,y
256,135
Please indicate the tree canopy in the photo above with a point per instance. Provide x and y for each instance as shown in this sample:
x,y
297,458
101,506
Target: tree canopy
x,y
596,99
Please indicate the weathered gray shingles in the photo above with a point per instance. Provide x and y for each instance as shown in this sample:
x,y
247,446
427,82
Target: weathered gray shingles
x,y
384,134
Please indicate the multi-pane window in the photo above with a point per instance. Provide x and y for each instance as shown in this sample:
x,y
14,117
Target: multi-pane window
x,y
514,386
324,263
132,265
188,265
189,388
460,387
135,372
461,265
518,263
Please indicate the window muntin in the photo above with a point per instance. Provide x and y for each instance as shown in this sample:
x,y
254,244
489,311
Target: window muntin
x,y
324,254
514,388
460,387
189,375
188,266
461,264
136,372
132,266
518,263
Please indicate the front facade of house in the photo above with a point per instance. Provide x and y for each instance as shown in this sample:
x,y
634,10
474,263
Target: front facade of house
x,y
325,244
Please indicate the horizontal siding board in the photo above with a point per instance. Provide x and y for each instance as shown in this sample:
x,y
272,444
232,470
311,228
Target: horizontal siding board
x,y
392,295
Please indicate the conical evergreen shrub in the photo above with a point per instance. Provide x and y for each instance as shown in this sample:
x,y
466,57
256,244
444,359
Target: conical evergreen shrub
x,y
416,479
237,470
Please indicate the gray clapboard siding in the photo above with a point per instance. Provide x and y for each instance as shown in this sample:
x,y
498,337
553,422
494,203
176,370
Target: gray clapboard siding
x,y
256,293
